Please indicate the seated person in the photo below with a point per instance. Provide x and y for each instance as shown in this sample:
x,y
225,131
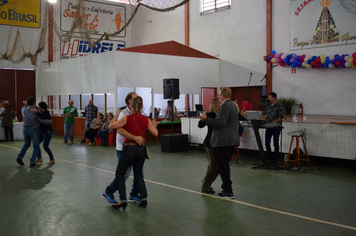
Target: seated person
x,y
168,115
105,129
157,111
246,105
95,125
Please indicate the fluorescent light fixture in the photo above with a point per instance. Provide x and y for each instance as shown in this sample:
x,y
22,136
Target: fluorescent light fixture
x,y
52,1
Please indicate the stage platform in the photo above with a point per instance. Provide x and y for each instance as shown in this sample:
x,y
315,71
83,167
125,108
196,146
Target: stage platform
x,y
326,136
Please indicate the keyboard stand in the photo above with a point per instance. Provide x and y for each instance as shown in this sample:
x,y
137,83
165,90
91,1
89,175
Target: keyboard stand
x,y
255,128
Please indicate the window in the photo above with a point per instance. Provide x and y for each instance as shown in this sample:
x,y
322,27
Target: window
x,y
210,6
85,100
99,101
53,104
76,99
121,95
110,103
64,101
146,94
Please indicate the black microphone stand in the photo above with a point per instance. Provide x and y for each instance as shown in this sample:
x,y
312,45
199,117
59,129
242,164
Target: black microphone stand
x,y
257,135
247,92
264,77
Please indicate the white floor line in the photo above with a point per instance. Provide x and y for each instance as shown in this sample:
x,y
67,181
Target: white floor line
x,y
208,195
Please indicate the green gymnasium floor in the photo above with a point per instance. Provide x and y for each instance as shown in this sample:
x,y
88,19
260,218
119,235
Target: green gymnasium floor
x,y
65,199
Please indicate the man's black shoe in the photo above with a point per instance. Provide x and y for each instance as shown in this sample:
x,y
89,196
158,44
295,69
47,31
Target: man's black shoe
x,y
224,194
32,165
83,141
20,162
210,191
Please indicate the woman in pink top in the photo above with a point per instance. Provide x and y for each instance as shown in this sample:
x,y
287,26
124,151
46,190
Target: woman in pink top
x,y
133,153
169,110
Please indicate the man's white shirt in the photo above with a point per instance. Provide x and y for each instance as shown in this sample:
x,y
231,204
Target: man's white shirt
x,y
119,138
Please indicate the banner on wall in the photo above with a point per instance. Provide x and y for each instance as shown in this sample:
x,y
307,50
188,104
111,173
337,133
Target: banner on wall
x,y
320,23
99,17
77,47
24,13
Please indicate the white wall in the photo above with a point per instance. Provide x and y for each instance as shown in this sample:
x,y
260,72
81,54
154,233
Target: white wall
x,y
30,38
103,73
238,37
152,27
322,91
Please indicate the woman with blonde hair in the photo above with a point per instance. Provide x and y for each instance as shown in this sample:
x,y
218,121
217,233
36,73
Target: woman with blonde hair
x,y
212,171
133,153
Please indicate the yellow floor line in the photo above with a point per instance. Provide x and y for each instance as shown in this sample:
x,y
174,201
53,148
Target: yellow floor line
x,y
208,195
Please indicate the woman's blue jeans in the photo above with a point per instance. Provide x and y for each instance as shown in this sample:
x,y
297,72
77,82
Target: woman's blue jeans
x,y
102,134
46,138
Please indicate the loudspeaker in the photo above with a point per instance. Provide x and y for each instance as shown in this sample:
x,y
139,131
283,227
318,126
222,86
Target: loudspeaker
x,y
174,142
171,88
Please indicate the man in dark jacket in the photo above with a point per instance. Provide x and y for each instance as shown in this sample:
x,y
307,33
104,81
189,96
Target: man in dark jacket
x,y
225,137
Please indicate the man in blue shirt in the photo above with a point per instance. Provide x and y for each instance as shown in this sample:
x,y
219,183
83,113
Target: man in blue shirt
x,y
91,111
30,131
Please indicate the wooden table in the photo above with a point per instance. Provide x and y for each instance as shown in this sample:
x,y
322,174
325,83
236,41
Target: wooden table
x,y
58,126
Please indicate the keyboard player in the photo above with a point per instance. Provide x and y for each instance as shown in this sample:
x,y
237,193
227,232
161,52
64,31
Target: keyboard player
x,y
274,114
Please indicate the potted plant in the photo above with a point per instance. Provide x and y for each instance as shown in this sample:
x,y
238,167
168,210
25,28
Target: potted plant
x,y
263,106
287,103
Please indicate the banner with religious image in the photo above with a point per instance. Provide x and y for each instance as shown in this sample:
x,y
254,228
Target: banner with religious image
x,y
98,17
320,23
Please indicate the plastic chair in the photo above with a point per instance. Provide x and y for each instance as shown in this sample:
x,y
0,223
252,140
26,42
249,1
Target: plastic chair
x,y
97,139
111,138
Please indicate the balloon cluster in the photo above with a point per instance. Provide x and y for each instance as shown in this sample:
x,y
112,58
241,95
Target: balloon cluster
x,y
306,61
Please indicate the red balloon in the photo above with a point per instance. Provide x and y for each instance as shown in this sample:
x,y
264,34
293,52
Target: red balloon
x,y
303,56
313,64
272,55
338,63
282,64
354,55
317,60
317,66
354,62
302,60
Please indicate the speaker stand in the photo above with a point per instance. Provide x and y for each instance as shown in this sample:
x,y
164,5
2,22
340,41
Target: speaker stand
x,y
172,116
